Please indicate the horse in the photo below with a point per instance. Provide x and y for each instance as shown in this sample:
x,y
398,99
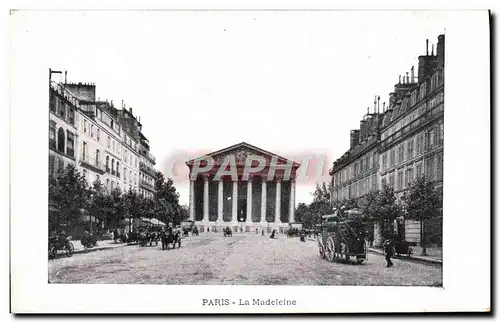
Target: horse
x,y
170,238
153,237
227,232
144,239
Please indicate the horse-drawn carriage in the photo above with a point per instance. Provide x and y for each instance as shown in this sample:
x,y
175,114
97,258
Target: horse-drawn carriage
x,y
227,232
342,237
58,243
148,237
172,237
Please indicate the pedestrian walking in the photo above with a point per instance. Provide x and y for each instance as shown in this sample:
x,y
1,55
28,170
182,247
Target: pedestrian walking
x,y
389,252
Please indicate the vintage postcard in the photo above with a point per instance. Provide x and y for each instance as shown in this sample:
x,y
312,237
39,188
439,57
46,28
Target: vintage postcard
x,y
249,161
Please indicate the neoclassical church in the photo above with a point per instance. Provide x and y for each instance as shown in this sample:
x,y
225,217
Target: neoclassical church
x,y
242,187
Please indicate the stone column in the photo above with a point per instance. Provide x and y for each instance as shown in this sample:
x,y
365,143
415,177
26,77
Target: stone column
x,y
291,213
249,201
205,199
235,203
263,204
191,200
220,201
277,216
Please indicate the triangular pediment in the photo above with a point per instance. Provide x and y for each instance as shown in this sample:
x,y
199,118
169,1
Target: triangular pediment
x,y
240,152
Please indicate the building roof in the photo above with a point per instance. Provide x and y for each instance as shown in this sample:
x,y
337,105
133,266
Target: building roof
x,y
237,147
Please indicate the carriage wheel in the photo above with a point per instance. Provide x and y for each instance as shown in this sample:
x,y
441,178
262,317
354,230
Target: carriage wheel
x,y
359,261
321,251
70,249
52,252
410,252
330,249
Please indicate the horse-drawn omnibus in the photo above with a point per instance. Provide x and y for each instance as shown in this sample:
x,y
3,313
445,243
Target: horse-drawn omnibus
x,y
342,237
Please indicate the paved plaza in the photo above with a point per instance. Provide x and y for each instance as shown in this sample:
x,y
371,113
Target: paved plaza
x,y
242,259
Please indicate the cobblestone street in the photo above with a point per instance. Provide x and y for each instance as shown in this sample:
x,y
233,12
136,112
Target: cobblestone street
x,y
241,259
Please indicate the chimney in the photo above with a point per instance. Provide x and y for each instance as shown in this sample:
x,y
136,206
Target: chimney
x,y
65,77
413,74
354,138
122,104
407,78
440,50
383,107
432,53
130,110
399,82
426,47
378,104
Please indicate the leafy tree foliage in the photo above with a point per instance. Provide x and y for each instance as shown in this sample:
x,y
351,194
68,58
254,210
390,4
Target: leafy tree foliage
x,y
322,193
69,194
423,202
167,206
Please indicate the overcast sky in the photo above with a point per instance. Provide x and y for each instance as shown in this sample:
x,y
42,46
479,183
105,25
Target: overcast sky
x,y
287,82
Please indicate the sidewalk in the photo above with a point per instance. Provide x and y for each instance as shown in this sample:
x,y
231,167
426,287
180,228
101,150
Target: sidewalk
x,y
435,254
101,245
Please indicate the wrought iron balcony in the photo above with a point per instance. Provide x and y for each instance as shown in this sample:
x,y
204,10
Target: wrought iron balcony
x,y
92,164
146,185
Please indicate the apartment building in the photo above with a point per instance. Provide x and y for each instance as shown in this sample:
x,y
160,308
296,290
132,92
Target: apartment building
x,y
406,138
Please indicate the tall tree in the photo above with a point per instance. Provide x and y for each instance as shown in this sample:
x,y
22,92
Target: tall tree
x,y
167,205
322,192
386,209
130,206
300,212
116,206
70,194
100,206
423,202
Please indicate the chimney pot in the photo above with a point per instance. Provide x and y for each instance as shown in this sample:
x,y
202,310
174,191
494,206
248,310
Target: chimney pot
x,y
427,47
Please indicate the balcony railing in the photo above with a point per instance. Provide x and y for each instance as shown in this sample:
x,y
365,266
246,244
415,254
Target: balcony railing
x,y
145,184
146,169
91,163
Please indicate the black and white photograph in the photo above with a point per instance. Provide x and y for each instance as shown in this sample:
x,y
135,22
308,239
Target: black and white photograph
x,y
224,149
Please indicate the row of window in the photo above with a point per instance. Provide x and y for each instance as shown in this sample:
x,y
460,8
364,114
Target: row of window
x,y
146,194
413,147
147,179
59,107
435,81
363,164
402,178
64,142
56,165
399,179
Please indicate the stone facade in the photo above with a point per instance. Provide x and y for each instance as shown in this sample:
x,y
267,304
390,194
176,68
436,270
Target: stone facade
x,y
259,200
406,138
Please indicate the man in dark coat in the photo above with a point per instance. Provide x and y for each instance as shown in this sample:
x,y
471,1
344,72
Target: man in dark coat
x,y
389,252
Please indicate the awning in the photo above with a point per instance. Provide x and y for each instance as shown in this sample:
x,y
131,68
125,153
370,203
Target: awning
x,y
152,221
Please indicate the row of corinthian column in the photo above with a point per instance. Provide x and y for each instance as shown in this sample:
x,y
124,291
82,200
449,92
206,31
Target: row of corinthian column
x,y
277,220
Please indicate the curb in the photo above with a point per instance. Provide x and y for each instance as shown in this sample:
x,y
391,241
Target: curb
x,y
79,251
413,258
